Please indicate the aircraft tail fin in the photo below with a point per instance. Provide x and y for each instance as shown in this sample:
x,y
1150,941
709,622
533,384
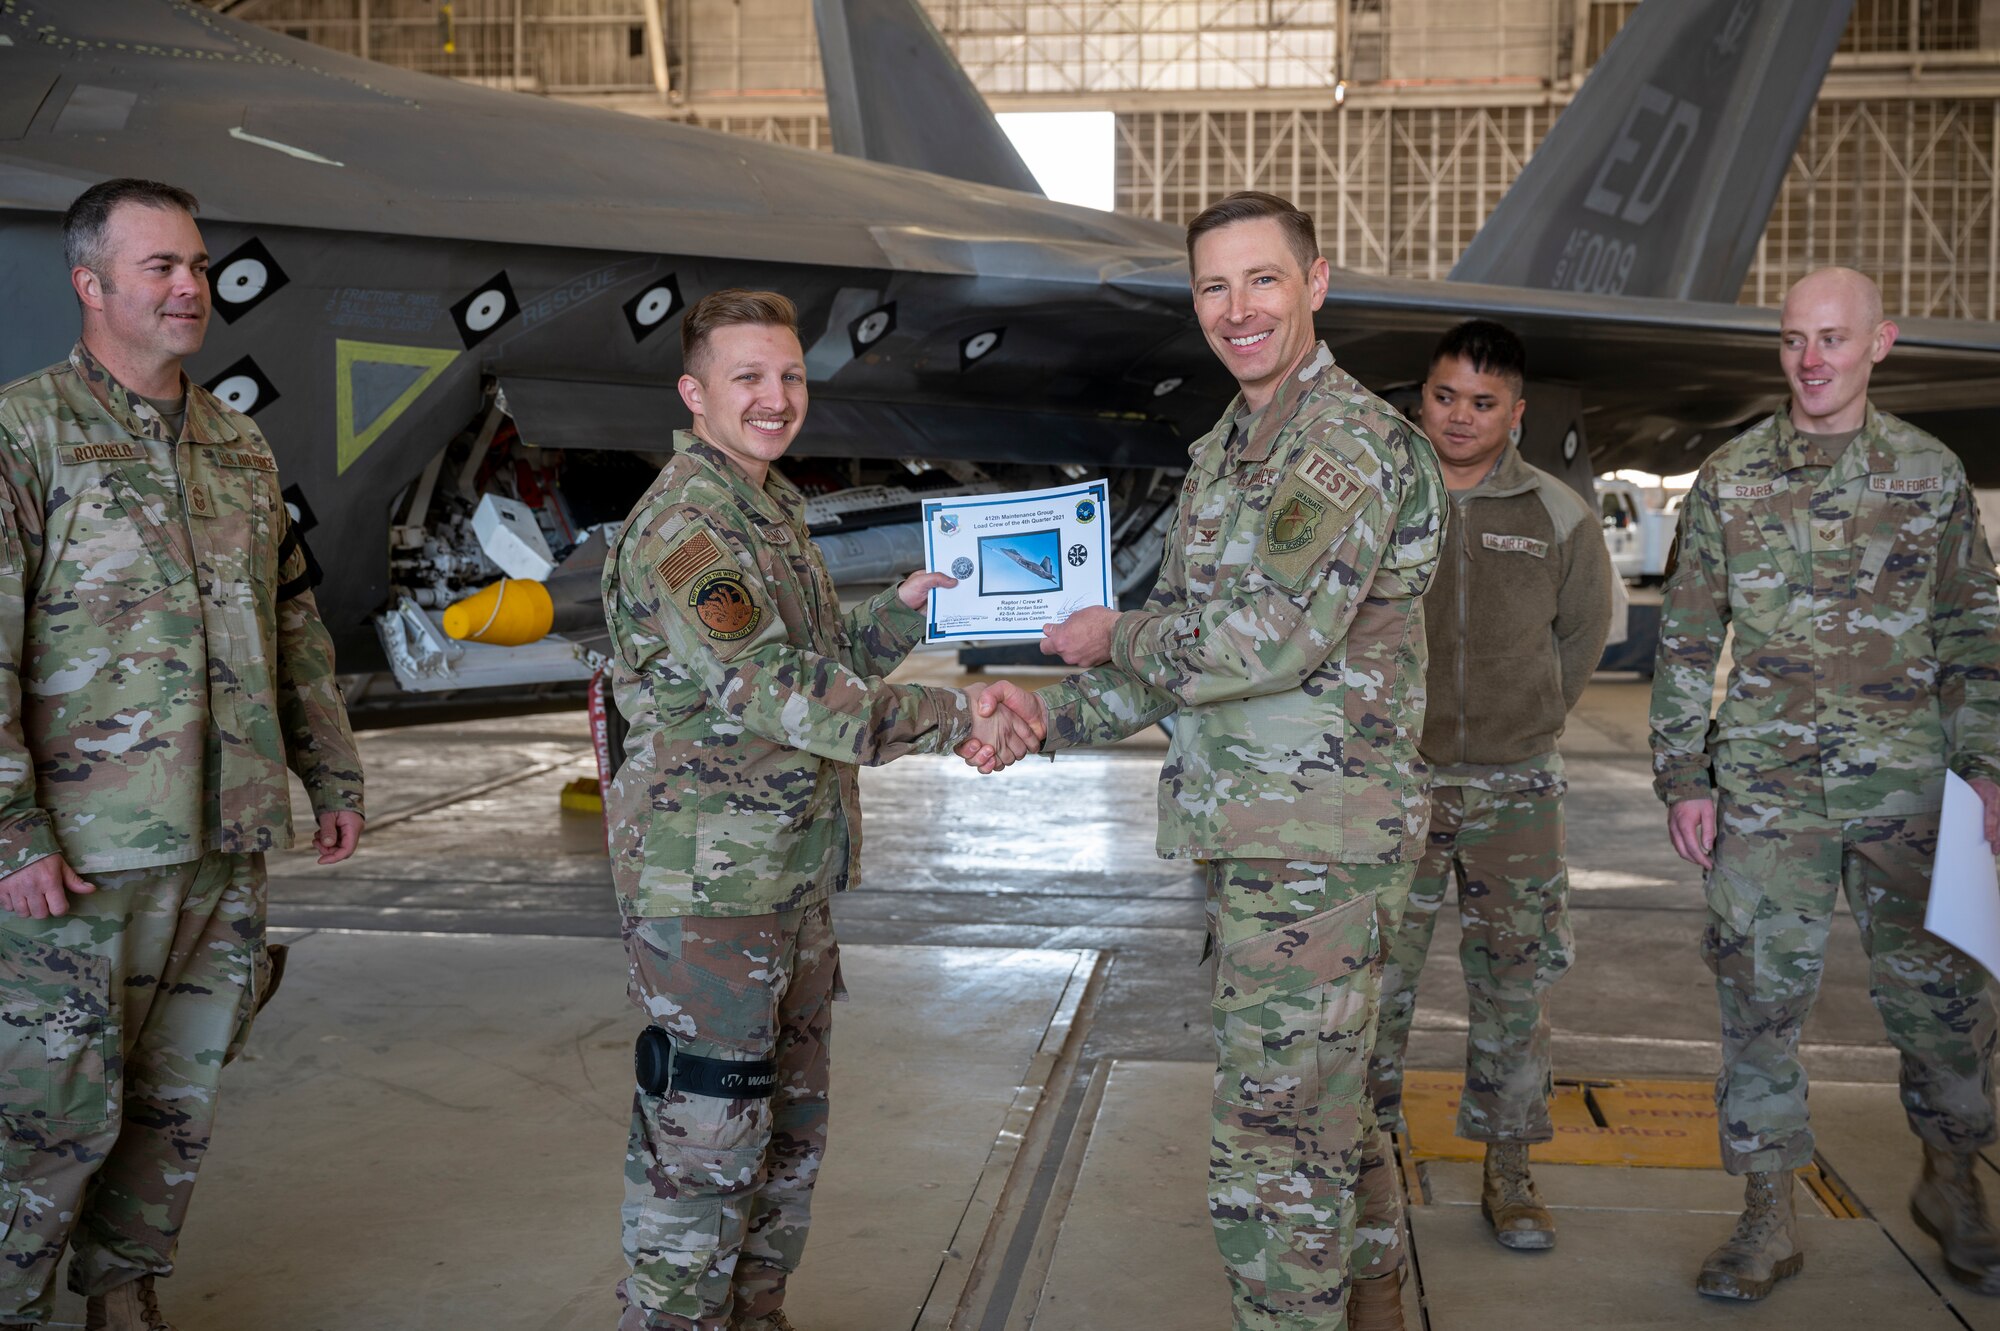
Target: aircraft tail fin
x,y
895,95
1659,178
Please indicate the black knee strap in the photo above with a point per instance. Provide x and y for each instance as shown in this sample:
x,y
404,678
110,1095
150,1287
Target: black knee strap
x,y
661,1068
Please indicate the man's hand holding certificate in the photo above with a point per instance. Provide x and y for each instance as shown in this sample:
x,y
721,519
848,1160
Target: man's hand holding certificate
x,y
1022,560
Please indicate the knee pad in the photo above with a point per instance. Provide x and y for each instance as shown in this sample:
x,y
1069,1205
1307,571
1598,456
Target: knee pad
x,y
660,1067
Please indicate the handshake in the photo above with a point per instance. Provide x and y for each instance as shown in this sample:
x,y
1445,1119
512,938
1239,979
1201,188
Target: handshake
x,y
1008,722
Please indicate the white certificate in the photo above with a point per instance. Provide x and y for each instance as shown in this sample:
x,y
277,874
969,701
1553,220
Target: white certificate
x,y
1964,908
1022,560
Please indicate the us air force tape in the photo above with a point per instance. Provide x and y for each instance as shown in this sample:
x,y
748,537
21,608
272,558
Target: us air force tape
x,y
661,1068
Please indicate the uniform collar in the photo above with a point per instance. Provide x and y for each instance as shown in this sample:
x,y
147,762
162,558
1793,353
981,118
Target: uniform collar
x,y
207,420
1510,474
1277,413
1867,453
778,499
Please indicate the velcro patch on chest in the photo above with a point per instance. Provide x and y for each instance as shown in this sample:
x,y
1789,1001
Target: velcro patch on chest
x,y
1515,545
1327,473
688,558
77,455
237,457
723,602
1746,489
1905,485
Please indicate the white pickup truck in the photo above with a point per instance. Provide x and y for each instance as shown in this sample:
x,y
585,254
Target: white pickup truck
x,y
1638,527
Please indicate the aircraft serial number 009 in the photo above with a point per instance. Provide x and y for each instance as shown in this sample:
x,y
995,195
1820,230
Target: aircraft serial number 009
x,y
1595,263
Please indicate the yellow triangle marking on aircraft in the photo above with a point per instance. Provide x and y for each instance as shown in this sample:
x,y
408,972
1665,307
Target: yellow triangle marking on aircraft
x,y
353,441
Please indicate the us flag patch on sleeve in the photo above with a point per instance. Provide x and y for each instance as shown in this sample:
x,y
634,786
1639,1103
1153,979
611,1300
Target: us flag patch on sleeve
x,y
688,558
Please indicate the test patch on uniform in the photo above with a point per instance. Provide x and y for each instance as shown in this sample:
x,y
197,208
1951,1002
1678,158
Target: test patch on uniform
x,y
232,457
1519,545
721,600
688,558
1328,474
1905,485
75,455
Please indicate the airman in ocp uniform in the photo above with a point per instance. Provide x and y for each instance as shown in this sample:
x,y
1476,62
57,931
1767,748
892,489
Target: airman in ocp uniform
x,y
1516,623
736,816
163,663
1285,632
1843,548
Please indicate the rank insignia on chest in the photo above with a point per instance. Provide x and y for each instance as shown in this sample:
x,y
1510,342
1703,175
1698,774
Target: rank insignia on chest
x,y
199,501
1294,520
1206,535
688,558
721,600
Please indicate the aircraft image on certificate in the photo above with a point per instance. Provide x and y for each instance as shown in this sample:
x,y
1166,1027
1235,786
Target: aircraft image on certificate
x,y
1022,560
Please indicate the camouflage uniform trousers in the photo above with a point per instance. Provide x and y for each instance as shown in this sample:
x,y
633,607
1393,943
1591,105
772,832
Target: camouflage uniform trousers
x,y
718,1193
1771,899
115,1023
1505,853
1298,977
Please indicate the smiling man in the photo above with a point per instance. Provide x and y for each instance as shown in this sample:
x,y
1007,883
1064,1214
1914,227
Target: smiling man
x,y
164,663
736,816
1516,622
1843,548
1284,631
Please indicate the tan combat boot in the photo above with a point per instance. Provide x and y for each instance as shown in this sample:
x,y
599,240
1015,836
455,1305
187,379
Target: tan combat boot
x,y
129,1307
1949,1207
1376,1304
1508,1200
1765,1247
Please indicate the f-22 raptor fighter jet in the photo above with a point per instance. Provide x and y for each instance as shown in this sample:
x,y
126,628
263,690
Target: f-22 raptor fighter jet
x,y
1041,568
454,310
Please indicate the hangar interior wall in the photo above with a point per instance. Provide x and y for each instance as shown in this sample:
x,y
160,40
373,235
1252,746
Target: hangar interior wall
x,y
1898,171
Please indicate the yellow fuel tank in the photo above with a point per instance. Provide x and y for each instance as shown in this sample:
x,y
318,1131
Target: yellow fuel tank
x,y
513,612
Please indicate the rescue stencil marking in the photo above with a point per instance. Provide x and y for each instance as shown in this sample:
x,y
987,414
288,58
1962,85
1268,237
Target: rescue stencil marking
x,y
721,601
1905,485
77,454
1331,477
1519,545
688,558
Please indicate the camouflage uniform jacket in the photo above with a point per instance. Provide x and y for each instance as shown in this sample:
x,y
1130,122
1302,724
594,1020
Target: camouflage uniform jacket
x,y
1862,595
750,696
1285,629
164,655
1516,622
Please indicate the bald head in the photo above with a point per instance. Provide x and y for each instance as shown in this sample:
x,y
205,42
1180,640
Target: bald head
x,y
1851,291
1832,337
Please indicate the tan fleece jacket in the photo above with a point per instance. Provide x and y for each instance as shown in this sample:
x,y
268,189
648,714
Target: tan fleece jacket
x,y
1516,617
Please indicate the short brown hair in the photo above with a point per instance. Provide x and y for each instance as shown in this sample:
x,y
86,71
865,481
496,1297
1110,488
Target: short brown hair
x,y
89,215
726,308
1248,205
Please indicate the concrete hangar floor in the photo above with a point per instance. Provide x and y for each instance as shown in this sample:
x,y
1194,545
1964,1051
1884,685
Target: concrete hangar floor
x,y
428,1128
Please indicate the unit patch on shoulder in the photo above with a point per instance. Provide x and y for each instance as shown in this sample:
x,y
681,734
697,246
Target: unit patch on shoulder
x,y
1905,485
1295,519
75,455
1519,545
1327,473
688,558
721,600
